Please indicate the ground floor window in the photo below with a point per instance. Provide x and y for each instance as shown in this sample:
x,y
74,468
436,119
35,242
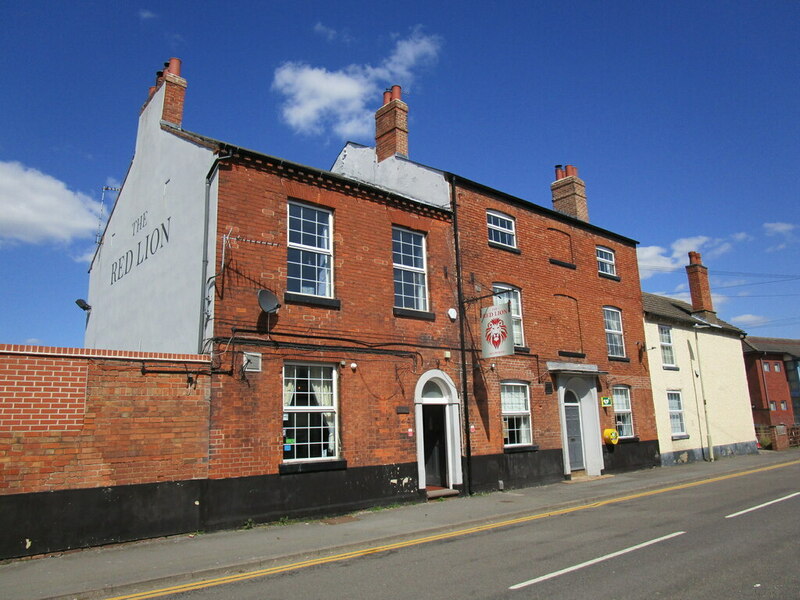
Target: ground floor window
x,y
676,422
515,400
622,411
310,420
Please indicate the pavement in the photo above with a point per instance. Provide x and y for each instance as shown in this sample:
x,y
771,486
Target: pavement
x,y
126,569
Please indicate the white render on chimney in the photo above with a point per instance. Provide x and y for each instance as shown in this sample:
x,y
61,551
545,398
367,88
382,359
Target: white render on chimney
x,y
145,280
395,174
712,364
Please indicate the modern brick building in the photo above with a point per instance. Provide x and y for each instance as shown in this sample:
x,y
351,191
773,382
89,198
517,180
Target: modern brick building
x,y
339,316
773,365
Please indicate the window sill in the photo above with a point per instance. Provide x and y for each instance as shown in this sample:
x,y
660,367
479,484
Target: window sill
x,y
407,313
619,359
683,436
569,354
608,276
499,246
311,467
670,368
520,449
293,298
634,439
561,263
522,350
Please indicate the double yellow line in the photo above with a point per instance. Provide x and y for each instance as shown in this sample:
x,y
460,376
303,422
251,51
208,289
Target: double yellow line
x,y
206,583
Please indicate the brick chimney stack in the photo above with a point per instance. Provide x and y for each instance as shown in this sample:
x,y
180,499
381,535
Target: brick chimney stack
x,y
174,91
699,287
391,125
569,193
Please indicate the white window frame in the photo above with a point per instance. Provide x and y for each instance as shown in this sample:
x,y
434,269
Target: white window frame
x,y
323,253
773,405
784,405
419,301
331,452
676,414
606,261
777,367
521,415
667,346
505,293
504,227
765,366
615,338
623,410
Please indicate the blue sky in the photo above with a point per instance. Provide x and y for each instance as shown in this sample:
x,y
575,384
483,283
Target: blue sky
x,y
682,118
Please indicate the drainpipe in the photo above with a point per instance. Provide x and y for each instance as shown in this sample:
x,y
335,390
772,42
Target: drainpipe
x,y
461,333
204,280
703,392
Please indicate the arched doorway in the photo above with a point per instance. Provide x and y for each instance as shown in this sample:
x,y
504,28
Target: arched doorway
x,y
580,425
437,413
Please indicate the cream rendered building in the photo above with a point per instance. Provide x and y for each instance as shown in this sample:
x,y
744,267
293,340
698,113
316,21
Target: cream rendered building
x,y
697,372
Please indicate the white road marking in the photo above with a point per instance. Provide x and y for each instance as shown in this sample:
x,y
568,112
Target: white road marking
x,y
747,510
594,561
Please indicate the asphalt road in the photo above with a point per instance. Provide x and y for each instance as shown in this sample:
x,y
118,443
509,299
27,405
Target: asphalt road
x,y
684,544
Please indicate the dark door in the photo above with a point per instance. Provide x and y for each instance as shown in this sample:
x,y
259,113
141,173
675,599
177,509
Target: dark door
x,y
433,437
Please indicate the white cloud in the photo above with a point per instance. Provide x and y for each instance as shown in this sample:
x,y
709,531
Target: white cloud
x,y
742,237
748,320
145,14
783,229
656,259
317,100
780,230
37,208
331,34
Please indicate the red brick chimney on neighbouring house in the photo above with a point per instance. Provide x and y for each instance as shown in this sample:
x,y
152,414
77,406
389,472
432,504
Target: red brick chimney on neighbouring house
x,y
174,91
699,287
569,193
391,125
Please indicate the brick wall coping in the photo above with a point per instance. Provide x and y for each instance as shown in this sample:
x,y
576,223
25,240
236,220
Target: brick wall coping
x,y
96,353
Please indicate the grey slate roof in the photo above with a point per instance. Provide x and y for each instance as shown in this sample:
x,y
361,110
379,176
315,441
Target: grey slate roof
x,y
772,345
664,308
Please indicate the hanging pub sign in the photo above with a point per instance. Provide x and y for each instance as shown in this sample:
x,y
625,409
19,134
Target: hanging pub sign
x,y
497,329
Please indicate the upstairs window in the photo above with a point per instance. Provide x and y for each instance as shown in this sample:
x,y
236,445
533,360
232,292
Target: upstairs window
x,y
667,350
777,367
612,320
410,278
606,261
516,407
623,415
310,252
501,229
504,294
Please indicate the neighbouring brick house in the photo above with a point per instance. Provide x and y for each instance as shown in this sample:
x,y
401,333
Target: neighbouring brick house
x,y
773,367
338,315
699,386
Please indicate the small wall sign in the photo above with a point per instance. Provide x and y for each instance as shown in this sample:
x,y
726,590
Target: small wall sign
x,y
605,401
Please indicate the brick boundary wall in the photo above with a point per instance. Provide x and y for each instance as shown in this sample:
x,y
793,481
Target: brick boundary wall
x,y
80,418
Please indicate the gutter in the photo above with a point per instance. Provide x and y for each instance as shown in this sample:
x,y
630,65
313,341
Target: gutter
x,y
461,332
204,277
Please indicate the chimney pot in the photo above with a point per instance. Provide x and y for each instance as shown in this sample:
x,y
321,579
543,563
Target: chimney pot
x,y
695,258
571,171
396,92
387,97
174,66
559,172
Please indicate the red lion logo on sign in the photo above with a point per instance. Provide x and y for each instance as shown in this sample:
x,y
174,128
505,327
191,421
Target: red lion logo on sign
x,y
496,332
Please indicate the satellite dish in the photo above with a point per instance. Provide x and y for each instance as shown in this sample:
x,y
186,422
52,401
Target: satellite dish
x,y
268,301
